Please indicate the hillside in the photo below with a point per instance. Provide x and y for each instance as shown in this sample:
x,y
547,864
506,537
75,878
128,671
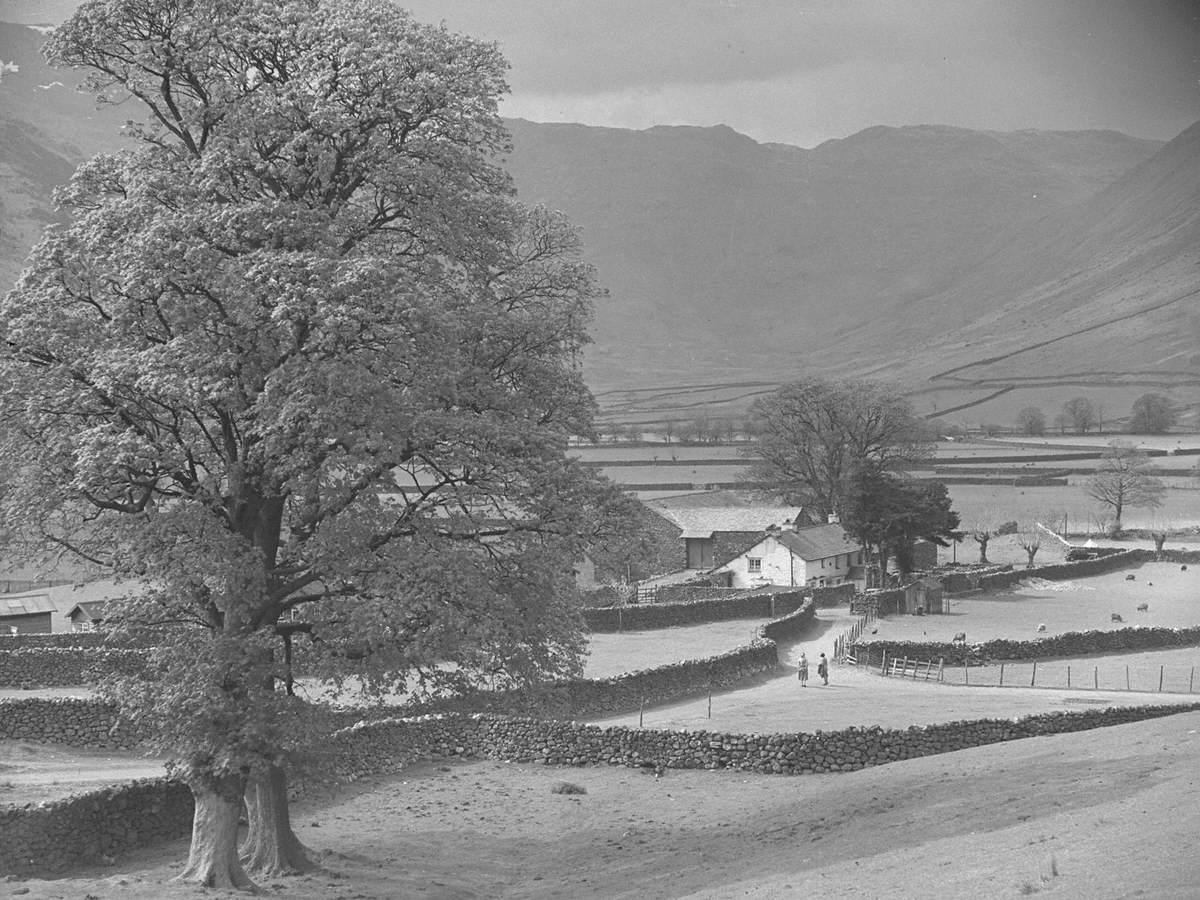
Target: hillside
x,y
914,253
727,259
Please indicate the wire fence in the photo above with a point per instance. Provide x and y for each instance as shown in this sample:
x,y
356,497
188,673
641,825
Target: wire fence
x,y
1138,677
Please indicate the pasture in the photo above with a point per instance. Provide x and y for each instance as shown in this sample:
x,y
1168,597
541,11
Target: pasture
x,y
1084,604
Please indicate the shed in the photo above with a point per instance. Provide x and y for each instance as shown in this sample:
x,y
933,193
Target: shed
x,y
30,614
924,594
88,615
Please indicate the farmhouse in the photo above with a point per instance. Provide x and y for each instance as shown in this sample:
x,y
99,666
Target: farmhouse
x,y
818,556
713,534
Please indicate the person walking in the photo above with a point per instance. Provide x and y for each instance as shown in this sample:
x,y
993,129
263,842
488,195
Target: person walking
x,y
823,668
802,670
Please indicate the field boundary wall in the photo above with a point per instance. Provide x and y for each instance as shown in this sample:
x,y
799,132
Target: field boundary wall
x,y
98,826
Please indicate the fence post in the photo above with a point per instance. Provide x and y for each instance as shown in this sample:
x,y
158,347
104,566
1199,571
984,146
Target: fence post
x,y
1096,677
1001,674
1127,678
1191,679
966,674
1033,677
641,710
1160,678
941,667
710,699
620,620
883,663
1068,675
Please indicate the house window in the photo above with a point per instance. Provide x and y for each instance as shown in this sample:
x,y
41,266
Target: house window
x,y
753,564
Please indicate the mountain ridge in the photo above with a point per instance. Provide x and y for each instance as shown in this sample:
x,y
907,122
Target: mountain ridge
x,y
898,251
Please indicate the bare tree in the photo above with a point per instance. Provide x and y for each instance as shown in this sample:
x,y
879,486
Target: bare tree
x,y
1031,421
1152,414
1030,540
1082,414
1123,480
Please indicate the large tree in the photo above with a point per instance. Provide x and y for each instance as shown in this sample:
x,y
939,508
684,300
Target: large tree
x,y
812,435
1152,414
1122,481
888,514
299,364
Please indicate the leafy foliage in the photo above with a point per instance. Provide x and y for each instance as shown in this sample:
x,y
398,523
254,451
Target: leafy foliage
x,y
298,358
887,514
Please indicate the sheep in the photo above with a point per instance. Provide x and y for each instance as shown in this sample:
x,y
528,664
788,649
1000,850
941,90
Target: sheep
x,y
1143,607
1183,568
1116,617
960,638
1042,627
1129,578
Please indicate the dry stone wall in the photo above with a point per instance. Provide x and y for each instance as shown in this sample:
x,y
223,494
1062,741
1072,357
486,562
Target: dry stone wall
x,y
61,720
1069,644
45,838
65,666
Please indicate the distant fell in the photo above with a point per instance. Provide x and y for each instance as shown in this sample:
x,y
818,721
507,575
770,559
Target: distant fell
x,y
963,265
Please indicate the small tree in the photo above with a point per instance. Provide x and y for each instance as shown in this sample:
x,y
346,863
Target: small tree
x,y
1122,481
1152,414
1031,421
1082,414
887,514
1030,540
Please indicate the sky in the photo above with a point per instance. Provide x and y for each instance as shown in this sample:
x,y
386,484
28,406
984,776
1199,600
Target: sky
x,y
805,71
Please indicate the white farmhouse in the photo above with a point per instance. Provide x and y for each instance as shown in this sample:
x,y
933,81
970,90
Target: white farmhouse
x,y
816,556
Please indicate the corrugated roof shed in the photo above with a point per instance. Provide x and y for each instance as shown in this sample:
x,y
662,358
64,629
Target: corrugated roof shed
x,y
22,606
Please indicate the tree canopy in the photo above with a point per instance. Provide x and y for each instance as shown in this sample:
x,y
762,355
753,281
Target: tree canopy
x,y
888,514
298,358
811,435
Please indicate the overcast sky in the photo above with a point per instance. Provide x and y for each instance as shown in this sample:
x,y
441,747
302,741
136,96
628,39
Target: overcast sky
x,y
803,71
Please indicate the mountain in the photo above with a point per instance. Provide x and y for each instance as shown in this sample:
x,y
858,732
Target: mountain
x,y
731,261
963,264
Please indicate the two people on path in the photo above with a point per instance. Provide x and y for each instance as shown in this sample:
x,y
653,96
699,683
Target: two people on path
x,y
802,669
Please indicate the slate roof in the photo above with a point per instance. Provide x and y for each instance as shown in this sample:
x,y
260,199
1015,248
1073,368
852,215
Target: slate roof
x,y
817,542
94,609
702,522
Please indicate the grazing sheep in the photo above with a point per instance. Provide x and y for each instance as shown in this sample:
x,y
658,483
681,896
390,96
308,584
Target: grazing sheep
x,y
1183,568
1129,578
960,638
1042,627
1116,617
1143,607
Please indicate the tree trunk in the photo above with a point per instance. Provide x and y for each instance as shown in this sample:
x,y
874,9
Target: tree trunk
x,y
983,542
271,847
212,859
